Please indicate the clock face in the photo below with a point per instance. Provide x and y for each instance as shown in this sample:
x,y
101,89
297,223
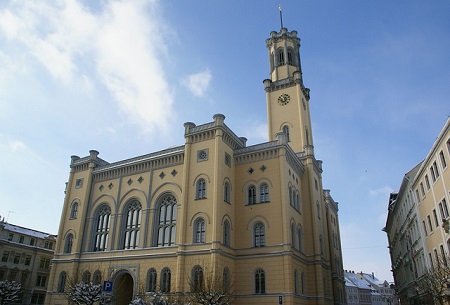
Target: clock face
x,y
284,99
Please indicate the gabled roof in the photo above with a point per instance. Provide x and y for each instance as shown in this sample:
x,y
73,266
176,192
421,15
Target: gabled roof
x,y
25,231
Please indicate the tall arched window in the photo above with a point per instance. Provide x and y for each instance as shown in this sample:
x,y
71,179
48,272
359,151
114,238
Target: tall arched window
x,y
227,192
226,233
165,280
74,211
102,228
166,221
291,197
251,196
197,279
199,231
86,278
226,279
300,239
259,235
132,225
68,244
62,282
260,282
264,192
286,131
201,189
298,202
97,280
280,56
151,280
290,55
292,235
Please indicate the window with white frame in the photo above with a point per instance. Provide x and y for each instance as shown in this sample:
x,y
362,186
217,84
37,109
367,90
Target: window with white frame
x,y
199,231
259,235
102,228
201,189
251,195
264,192
166,221
132,225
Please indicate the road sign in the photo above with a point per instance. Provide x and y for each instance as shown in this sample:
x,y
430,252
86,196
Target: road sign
x,y
107,286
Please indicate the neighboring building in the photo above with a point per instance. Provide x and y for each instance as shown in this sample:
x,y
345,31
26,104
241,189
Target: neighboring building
x,y
257,216
362,295
416,217
26,255
384,292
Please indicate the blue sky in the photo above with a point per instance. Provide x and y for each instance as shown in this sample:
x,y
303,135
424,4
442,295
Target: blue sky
x,y
122,77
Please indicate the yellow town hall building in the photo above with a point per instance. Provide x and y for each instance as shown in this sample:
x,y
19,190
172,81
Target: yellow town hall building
x,y
256,217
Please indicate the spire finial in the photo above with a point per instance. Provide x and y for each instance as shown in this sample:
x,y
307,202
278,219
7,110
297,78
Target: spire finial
x,y
281,15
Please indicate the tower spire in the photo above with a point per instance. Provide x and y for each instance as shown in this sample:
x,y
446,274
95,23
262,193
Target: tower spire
x,y
281,15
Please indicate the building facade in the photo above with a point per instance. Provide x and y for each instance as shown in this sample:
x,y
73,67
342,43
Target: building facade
x,y
257,217
417,215
26,259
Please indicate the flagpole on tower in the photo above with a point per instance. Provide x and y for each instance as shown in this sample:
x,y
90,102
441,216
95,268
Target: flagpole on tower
x,y
281,15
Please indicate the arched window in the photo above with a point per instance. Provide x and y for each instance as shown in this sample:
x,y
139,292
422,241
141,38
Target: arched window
x,y
227,192
260,282
226,233
102,228
201,189
292,235
290,55
199,231
68,244
74,211
97,277
62,282
251,198
197,279
300,239
291,198
167,220
151,280
302,283
86,278
264,192
295,282
226,280
132,225
165,280
259,237
286,131
280,57
298,202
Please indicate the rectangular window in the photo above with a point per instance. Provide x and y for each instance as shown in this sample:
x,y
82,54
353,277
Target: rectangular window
x,y
429,223
422,189
45,263
27,260
436,221
21,239
424,227
16,258
5,256
427,181
10,236
433,174
417,196
444,205
443,161
444,260
436,170
32,242
438,262
431,261
41,280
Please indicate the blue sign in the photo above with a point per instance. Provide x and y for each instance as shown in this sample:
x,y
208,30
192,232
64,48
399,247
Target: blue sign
x,y
280,300
107,286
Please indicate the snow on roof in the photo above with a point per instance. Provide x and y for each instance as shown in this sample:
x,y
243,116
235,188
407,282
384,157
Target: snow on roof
x,y
372,279
26,231
360,283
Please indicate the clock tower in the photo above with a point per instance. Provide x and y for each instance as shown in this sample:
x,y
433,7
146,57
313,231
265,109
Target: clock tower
x,y
286,97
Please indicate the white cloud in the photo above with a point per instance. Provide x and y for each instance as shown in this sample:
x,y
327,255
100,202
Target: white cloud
x,y
198,83
382,191
119,47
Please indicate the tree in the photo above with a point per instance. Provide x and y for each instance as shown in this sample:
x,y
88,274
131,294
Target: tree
x,y
210,289
435,282
9,292
84,293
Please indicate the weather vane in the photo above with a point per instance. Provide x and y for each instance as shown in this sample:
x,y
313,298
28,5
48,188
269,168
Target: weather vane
x,y
281,15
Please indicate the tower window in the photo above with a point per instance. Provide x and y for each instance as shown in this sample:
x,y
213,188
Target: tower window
x,y
286,131
264,192
280,56
68,244
260,282
200,231
259,235
226,233
227,192
290,56
251,195
201,189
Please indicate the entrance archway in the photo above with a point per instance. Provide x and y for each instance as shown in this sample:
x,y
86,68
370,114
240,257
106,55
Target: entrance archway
x,y
123,289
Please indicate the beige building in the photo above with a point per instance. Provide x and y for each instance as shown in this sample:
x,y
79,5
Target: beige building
x,y
254,216
26,256
416,216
